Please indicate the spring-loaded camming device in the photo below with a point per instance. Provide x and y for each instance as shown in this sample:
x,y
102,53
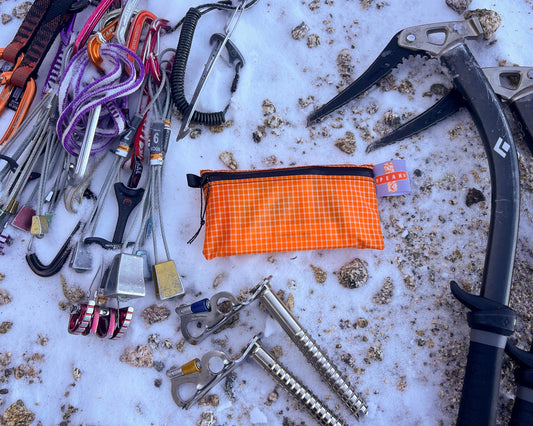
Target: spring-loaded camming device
x,y
209,315
214,366
94,317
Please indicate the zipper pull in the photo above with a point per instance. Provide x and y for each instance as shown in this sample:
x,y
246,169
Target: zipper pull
x,y
194,181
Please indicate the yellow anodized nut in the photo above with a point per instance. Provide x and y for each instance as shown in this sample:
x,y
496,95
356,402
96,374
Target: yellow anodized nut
x,y
39,225
167,280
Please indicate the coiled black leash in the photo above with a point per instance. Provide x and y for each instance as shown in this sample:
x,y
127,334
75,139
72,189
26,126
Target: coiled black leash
x,y
177,77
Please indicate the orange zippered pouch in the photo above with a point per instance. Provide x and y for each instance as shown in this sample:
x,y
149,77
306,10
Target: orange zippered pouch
x,y
288,209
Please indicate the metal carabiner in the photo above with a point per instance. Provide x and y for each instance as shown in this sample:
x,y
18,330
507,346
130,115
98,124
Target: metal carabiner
x,y
127,12
97,39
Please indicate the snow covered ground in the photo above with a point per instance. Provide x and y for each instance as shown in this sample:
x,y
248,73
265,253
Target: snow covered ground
x,y
400,339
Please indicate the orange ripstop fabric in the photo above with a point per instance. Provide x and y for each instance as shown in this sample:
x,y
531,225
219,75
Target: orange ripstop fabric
x,y
288,213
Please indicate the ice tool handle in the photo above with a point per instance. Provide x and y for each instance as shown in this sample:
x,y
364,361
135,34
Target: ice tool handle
x,y
522,413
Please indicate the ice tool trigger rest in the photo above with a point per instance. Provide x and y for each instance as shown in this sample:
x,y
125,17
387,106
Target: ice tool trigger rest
x,y
235,57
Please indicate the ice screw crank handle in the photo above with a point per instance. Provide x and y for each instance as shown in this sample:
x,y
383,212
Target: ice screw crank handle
x,y
311,351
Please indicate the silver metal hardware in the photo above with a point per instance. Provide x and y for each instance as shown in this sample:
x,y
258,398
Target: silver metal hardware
x,y
125,278
81,259
511,83
85,150
125,16
214,366
212,318
217,50
311,350
438,38
195,327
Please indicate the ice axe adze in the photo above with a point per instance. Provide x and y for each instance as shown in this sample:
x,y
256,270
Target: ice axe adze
x,y
490,320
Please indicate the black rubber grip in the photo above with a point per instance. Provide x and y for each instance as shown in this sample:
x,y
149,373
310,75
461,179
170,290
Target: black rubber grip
x,y
522,414
177,76
480,386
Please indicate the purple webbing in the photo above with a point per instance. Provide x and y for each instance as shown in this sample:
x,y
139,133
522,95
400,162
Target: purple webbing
x,y
54,73
79,93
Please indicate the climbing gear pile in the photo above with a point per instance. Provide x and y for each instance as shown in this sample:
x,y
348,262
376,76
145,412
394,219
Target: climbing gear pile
x,y
105,110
